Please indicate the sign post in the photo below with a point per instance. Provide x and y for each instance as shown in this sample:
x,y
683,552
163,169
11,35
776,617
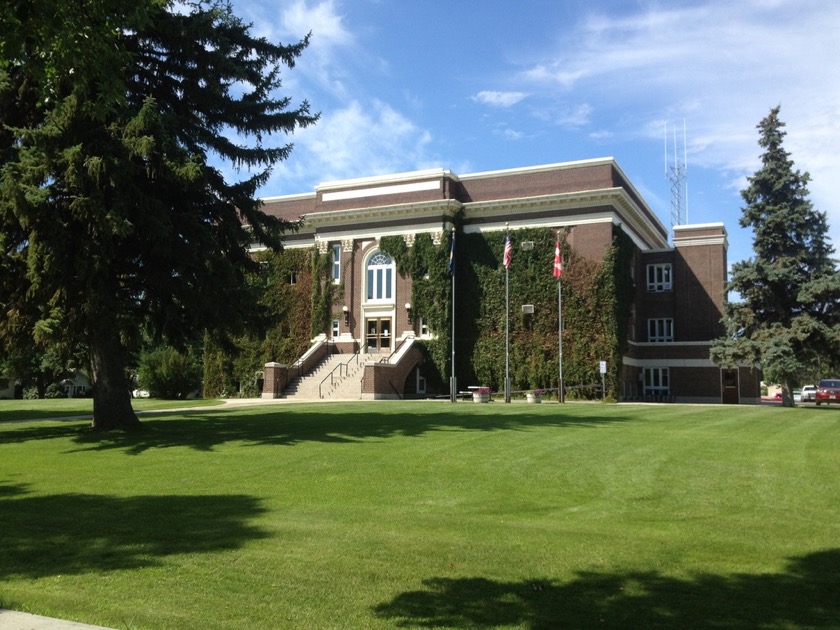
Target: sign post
x,y
603,379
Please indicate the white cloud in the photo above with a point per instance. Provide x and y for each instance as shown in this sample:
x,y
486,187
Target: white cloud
x,y
327,26
511,134
499,99
720,64
355,141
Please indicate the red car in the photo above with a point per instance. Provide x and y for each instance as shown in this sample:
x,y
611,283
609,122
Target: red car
x,y
828,391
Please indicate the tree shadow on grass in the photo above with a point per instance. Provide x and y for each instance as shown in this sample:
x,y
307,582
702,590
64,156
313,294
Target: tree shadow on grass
x,y
286,426
65,534
806,595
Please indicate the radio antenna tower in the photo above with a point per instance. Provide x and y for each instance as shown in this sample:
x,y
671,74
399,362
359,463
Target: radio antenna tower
x,y
676,173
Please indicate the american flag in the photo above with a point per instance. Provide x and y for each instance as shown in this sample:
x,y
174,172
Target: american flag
x,y
558,261
508,251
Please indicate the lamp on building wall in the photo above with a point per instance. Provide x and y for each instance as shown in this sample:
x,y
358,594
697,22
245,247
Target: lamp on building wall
x,y
346,312
408,311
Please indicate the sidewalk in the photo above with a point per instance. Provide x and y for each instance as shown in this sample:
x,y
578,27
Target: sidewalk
x,y
13,620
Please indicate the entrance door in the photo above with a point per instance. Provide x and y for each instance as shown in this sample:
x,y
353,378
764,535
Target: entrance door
x,y
379,334
729,381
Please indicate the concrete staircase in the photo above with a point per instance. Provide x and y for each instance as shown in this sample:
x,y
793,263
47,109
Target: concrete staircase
x,y
336,377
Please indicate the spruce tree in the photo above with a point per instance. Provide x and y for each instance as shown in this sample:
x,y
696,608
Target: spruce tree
x,y
787,320
116,218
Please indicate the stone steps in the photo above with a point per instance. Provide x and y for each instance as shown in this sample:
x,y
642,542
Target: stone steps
x,y
313,386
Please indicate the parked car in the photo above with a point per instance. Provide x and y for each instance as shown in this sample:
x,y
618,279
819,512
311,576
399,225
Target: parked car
x,y
828,391
809,393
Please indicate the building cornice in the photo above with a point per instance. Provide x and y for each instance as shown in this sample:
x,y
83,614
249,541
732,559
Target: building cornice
x,y
377,181
355,216
542,168
627,213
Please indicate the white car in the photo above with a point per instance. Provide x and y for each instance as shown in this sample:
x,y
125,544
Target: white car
x,y
809,393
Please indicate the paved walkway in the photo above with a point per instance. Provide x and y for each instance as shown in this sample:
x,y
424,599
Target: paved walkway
x,y
13,620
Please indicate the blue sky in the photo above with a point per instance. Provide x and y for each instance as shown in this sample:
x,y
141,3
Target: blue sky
x,y
474,86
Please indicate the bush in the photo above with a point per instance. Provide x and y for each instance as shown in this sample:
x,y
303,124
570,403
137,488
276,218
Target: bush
x,y
54,390
167,373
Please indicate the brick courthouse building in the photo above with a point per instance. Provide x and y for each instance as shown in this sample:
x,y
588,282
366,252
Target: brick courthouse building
x,y
678,286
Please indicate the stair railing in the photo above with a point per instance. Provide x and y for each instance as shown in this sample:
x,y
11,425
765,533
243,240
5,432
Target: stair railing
x,y
344,366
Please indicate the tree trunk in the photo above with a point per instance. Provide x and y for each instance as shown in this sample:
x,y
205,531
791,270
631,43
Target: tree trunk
x,y
111,394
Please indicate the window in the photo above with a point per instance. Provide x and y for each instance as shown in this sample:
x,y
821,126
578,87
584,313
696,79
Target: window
x,y
656,382
293,277
421,383
659,277
336,328
424,328
336,263
380,278
661,329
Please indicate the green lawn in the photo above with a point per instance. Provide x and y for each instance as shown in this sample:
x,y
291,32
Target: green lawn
x,y
428,515
70,407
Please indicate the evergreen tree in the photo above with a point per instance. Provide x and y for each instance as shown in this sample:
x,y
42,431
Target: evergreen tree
x,y
788,319
115,216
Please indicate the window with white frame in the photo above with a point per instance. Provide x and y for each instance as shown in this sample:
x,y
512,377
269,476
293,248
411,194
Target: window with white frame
x,y
336,328
661,329
657,382
424,327
380,278
336,263
659,277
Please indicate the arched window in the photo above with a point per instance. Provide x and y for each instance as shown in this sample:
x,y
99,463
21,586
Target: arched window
x,y
380,278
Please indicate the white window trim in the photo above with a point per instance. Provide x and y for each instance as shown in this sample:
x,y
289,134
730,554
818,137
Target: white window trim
x,y
653,381
660,277
336,263
389,284
660,329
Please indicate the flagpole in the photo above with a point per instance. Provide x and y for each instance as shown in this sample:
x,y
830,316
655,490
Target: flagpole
x,y
507,255
560,394
558,273
453,382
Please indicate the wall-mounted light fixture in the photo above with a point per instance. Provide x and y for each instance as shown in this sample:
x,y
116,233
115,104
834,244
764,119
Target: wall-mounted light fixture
x,y
346,312
408,311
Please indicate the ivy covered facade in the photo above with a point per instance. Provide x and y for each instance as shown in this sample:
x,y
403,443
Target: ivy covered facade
x,y
375,255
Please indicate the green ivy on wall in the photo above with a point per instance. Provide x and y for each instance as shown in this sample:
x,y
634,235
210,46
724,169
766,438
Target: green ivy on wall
x,y
427,265
323,293
597,301
279,331
597,298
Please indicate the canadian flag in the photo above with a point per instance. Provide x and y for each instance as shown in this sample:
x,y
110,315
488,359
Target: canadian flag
x,y
558,261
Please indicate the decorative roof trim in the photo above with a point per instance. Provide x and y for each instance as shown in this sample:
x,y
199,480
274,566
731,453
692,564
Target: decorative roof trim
x,y
384,180
543,168
354,216
627,212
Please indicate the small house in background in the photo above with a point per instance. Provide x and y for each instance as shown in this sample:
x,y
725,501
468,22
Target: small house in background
x,y
8,388
77,386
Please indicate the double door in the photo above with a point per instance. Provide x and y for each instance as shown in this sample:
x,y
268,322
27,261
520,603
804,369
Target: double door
x,y
378,334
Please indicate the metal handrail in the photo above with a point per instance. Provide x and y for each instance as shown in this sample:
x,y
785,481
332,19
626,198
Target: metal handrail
x,y
345,366
396,349
328,376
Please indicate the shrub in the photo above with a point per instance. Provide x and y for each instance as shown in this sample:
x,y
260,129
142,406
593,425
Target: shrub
x,y
167,373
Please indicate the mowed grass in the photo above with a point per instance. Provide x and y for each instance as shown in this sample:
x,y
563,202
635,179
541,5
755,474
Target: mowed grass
x,y
428,515
11,410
